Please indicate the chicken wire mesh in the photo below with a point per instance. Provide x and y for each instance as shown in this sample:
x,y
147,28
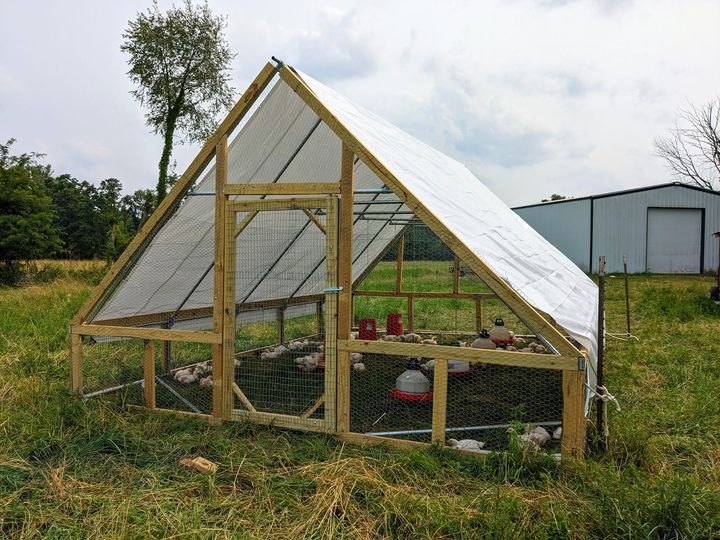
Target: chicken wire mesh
x,y
284,372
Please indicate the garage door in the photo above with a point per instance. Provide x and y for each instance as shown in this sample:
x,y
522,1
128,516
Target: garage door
x,y
674,240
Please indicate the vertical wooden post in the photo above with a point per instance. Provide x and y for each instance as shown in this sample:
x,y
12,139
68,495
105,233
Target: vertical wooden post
x,y
344,322
411,314
222,384
332,382
478,314
440,376
228,343
320,321
76,364
149,373
573,434
400,257
456,275
166,352
281,324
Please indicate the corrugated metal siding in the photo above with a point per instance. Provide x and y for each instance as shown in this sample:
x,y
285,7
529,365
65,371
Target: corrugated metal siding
x,y
566,226
620,225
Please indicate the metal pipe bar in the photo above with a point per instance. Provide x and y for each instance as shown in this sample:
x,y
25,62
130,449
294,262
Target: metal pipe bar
x,y
458,429
174,393
109,390
372,190
200,193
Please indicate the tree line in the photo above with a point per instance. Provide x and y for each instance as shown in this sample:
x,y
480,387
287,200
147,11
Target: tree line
x,y
43,215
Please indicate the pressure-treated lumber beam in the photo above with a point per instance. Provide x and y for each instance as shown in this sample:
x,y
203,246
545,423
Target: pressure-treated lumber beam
x,y
76,364
229,303
505,292
286,188
440,387
190,336
345,259
280,420
399,266
221,169
149,374
486,356
244,223
271,205
314,219
573,426
429,294
242,397
171,201
330,326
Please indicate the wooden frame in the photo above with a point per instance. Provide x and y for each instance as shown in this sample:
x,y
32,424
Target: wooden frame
x,y
230,388
191,336
286,188
338,307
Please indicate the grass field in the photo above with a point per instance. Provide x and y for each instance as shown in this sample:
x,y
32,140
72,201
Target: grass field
x,y
73,470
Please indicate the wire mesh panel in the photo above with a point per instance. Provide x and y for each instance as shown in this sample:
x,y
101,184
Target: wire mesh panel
x,y
113,368
391,396
489,403
280,370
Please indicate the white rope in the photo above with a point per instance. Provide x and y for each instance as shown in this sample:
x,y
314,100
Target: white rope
x,y
606,397
622,337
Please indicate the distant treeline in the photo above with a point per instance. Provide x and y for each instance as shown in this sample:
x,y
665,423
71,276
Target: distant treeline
x,y
45,216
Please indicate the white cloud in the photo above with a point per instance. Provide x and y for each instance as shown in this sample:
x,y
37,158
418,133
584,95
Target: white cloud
x,y
535,96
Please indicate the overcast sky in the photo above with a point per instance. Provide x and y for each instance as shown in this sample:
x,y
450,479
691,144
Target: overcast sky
x,y
534,96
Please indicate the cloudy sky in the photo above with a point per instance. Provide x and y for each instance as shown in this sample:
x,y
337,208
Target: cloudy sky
x,y
534,96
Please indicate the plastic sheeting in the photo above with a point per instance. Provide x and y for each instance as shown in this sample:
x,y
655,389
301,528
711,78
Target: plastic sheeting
x,y
541,274
284,141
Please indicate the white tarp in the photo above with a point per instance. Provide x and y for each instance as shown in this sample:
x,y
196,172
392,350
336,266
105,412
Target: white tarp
x,y
284,141
539,272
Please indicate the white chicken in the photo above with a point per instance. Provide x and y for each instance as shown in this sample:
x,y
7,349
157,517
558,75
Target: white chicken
x,y
355,357
185,376
535,438
557,434
470,445
359,366
206,382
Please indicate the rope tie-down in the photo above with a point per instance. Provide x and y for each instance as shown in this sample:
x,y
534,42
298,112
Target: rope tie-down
x,y
601,394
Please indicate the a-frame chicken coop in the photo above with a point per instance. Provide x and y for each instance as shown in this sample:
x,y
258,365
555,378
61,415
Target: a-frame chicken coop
x,y
272,283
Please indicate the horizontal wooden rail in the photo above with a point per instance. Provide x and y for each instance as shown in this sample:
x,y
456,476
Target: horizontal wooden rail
x,y
487,356
191,336
446,295
281,420
288,188
197,313
270,205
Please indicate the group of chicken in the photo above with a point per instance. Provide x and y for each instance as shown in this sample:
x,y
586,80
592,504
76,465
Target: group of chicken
x,y
532,439
410,338
201,372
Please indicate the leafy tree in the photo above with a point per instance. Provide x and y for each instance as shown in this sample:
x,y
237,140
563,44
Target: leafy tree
x,y
78,216
554,197
179,63
692,149
26,213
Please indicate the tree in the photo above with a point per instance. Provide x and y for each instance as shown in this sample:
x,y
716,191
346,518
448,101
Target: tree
x,y
179,63
554,197
692,149
26,213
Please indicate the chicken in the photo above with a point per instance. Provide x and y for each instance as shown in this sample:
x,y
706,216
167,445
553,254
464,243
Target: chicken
x,y
359,366
185,376
412,338
535,438
429,365
470,445
432,340
355,357
557,434
207,382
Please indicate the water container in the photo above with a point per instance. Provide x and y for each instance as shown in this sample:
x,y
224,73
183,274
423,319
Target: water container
x,y
394,324
367,329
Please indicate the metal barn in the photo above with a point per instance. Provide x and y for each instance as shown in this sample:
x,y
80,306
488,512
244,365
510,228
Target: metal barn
x,y
662,229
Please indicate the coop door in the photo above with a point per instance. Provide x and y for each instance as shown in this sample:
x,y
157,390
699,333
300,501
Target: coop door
x,y
280,299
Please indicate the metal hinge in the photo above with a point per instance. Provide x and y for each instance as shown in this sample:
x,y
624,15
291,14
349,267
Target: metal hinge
x,y
581,363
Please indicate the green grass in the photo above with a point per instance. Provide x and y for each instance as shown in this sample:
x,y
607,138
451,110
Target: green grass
x,y
96,470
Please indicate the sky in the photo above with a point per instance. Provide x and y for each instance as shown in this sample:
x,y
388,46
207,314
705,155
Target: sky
x,y
534,96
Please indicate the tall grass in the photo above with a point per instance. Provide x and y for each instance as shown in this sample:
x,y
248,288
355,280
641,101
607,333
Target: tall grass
x,y
94,470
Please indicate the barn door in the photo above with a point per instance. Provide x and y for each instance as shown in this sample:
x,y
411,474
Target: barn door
x,y
280,273
674,240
